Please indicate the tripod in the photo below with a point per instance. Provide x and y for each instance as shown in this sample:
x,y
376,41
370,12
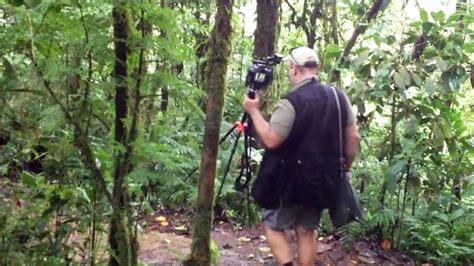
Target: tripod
x,y
240,127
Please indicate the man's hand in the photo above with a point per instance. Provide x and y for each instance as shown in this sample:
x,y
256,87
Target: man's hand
x,y
251,105
270,139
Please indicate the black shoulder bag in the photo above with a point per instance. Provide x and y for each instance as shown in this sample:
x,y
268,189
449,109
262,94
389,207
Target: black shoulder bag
x,y
270,185
347,205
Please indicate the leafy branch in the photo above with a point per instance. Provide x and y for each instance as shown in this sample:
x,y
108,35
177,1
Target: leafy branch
x,y
361,27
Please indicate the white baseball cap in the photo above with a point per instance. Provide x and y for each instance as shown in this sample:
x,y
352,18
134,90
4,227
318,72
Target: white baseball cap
x,y
303,56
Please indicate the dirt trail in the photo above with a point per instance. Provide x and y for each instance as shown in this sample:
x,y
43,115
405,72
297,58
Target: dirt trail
x,y
168,241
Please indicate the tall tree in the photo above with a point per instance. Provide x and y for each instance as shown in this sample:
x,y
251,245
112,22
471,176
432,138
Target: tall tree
x,y
122,240
266,30
265,37
219,53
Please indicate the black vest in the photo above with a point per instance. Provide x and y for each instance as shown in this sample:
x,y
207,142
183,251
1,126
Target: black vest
x,y
306,168
311,151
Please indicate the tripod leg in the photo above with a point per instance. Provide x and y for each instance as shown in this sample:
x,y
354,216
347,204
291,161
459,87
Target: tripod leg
x,y
227,134
227,168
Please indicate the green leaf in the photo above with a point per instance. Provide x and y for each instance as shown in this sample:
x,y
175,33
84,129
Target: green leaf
x,y
423,15
8,71
441,216
15,2
408,146
427,26
430,86
391,173
417,79
406,75
399,80
332,51
456,215
450,81
438,137
468,47
28,179
441,65
361,58
445,129
32,3
438,16
453,149
411,126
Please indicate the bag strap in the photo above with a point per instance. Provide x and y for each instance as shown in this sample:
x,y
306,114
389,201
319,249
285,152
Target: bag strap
x,y
341,152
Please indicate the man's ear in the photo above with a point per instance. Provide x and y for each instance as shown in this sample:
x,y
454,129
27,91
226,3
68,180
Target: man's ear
x,y
294,70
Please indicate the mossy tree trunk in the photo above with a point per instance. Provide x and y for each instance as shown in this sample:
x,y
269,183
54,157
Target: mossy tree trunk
x,y
219,53
121,239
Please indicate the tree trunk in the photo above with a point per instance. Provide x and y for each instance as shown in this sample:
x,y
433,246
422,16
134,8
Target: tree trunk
x,y
334,32
265,33
120,238
264,45
219,53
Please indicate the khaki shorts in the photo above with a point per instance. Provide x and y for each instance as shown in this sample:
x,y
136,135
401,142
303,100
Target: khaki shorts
x,y
289,216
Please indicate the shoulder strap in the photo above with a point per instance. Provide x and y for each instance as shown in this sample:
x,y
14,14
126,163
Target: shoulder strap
x,y
341,152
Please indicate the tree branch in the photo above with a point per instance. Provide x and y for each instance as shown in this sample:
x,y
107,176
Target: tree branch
x,y
371,14
293,14
80,139
89,58
419,47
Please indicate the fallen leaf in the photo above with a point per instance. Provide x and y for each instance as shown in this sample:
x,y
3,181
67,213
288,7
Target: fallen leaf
x,y
262,237
386,244
160,219
168,241
164,223
250,256
180,228
321,247
367,260
320,238
264,249
243,239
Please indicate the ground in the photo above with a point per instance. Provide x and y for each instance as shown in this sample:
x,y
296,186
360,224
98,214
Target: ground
x,y
167,240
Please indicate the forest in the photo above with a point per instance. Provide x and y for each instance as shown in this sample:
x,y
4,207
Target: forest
x,y
112,112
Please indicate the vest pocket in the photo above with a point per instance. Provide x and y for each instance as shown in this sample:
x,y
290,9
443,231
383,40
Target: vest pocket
x,y
315,185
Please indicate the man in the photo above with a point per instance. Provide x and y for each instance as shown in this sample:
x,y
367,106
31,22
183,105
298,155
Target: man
x,y
304,125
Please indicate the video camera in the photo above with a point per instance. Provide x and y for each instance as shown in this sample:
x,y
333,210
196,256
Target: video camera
x,y
260,74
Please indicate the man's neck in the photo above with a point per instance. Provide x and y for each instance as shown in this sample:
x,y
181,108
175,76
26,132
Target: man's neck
x,y
303,78
306,76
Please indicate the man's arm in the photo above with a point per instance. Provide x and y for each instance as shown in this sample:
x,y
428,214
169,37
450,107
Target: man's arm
x,y
351,145
270,139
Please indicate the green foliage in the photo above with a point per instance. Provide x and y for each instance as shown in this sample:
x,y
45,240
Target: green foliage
x,y
415,117
442,237
38,221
